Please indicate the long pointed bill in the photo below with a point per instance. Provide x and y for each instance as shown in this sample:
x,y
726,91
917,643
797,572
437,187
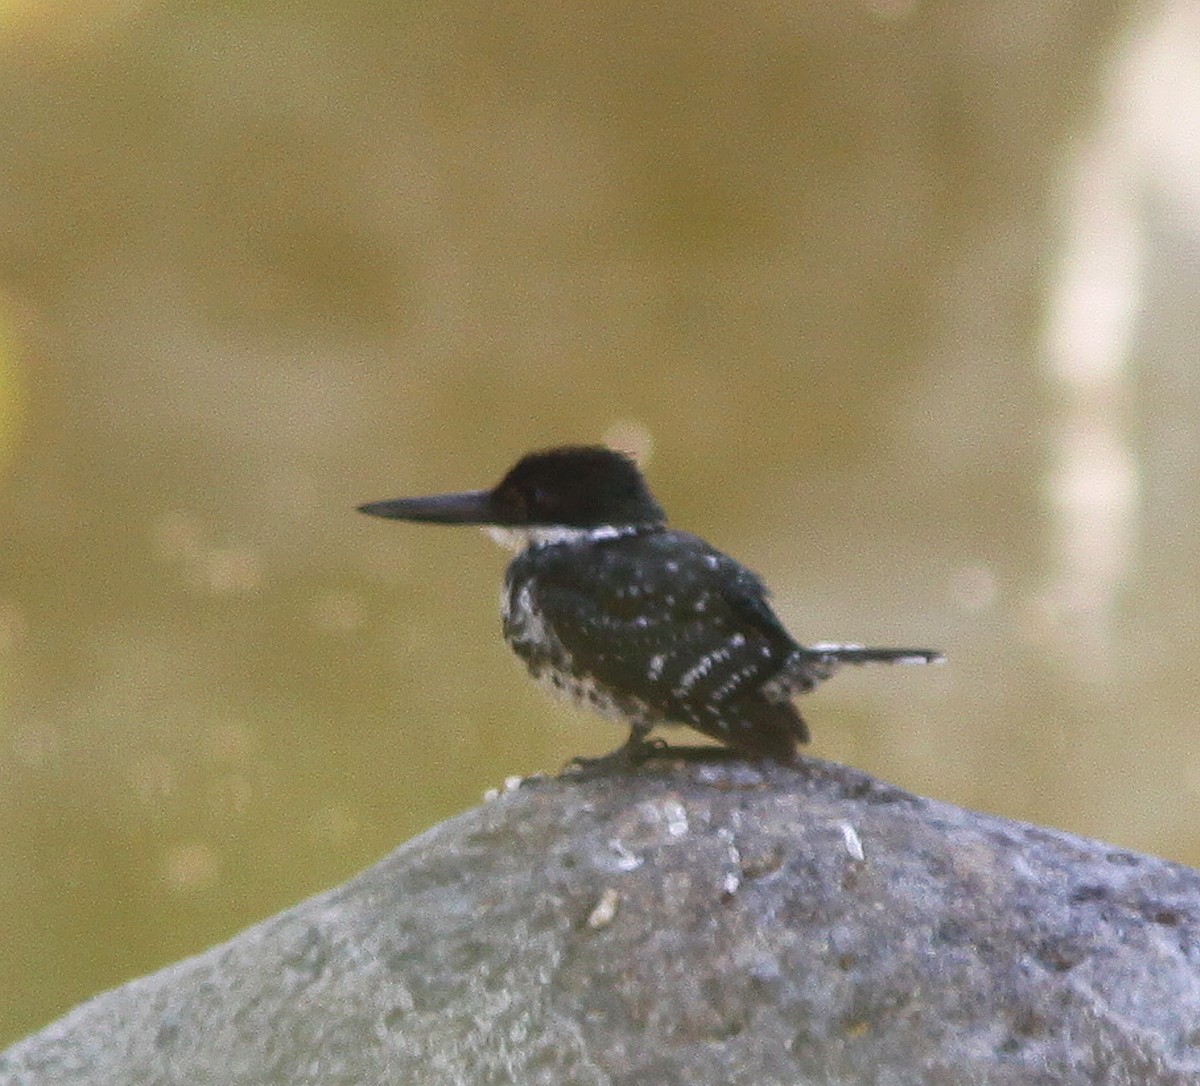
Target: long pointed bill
x,y
472,507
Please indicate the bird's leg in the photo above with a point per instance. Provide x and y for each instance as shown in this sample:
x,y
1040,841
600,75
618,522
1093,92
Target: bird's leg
x,y
629,755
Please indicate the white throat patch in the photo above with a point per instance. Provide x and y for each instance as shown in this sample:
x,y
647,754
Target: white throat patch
x,y
517,539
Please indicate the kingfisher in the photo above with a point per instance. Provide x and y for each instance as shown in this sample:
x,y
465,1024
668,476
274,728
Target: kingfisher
x,y
645,624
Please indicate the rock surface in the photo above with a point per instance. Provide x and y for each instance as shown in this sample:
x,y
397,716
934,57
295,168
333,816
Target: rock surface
x,y
687,923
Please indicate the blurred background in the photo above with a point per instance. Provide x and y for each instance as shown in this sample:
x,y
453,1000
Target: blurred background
x,y
896,301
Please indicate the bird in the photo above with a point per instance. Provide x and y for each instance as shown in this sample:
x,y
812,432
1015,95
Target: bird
x,y
643,623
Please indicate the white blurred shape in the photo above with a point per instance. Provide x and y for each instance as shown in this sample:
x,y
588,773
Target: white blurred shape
x,y
1145,143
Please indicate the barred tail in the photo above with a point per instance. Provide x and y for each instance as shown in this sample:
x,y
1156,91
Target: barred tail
x,y
858,654
812,664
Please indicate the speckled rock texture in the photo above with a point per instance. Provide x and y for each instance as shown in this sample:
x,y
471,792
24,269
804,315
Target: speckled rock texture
x,y
685,923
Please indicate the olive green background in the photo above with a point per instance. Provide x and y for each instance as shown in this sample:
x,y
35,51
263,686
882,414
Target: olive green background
x,y
261,262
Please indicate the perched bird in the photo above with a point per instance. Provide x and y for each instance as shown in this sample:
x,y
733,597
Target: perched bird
x,y
648,625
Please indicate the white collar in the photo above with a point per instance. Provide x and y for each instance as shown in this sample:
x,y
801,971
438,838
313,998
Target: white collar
x,y
518,539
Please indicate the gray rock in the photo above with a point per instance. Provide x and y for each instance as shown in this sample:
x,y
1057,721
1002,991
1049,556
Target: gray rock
x,y
687,923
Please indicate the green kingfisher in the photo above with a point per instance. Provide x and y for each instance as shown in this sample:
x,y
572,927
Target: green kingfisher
x,y
609,607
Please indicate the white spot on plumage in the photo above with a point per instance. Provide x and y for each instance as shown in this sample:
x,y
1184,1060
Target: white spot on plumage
x,y
705,664
694,674
737,679
654,672
524,621
585,692
552,666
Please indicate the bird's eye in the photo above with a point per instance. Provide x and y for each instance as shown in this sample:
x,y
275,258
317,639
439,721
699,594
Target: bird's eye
x,y
516,501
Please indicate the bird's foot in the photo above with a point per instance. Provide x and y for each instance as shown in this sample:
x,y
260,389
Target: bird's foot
x,y
629,755
639,751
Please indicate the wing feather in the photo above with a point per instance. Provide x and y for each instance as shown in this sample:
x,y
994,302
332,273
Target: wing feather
x,y
662,617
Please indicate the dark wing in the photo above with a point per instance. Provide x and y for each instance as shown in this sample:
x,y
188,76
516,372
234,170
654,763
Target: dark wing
x,y
666,619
